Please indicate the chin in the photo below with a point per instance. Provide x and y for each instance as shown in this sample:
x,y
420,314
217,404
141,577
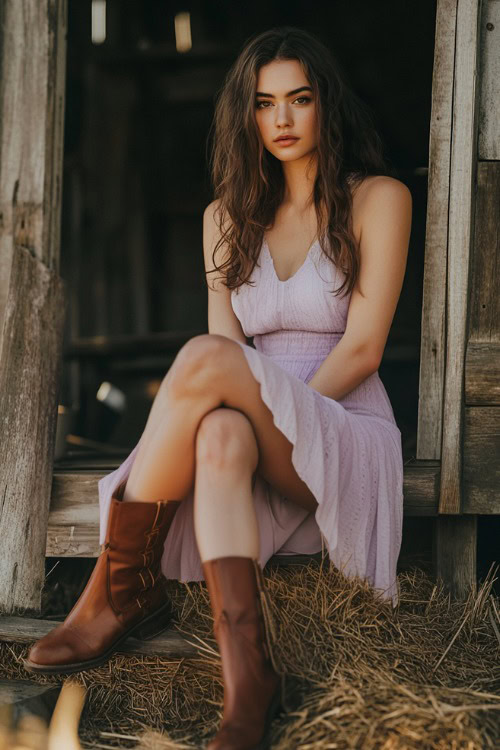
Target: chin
x,y
290,155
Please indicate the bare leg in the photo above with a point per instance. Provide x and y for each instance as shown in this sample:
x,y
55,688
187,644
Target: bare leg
x,y
225,521
209,372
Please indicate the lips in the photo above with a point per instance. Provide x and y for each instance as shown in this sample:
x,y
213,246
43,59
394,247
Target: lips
x,y
286,138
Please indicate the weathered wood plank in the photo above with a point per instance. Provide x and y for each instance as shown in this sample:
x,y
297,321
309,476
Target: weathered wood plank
x,y
489,109
32,344
31,293
482,460
484,316
454,553
421,488
73,526
432,349
482,374
27,630
462,175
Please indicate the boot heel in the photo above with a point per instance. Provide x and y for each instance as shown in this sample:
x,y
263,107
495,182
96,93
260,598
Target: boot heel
x,y
155,624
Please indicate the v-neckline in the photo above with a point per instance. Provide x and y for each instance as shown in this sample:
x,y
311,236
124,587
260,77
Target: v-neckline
x,y
285,281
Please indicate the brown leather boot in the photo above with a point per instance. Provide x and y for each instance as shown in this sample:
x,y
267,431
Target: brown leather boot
x,y
253,685
125,595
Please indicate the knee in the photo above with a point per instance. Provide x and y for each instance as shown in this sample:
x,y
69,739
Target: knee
x,y
198,360
225,440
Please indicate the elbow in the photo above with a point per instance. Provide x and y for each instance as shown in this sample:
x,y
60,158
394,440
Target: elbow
x,y
372,360
375,362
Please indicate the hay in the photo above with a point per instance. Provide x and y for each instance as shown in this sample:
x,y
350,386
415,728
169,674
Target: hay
x,y
361,675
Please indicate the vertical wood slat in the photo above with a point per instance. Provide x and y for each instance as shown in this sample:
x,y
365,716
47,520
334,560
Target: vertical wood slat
x,y
489,97
29,384
33,58
460,222
484,315
432,351
54,135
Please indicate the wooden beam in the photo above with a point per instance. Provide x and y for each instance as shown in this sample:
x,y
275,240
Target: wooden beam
x,y
170,643
489,108
421,488
73,527
432,348
460,220
32,61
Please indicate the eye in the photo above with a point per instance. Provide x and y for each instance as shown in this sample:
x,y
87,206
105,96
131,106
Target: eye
x,y
303,99
259,103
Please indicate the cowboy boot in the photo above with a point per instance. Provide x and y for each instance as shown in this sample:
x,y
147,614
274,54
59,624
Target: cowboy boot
x,y
125,594
253,685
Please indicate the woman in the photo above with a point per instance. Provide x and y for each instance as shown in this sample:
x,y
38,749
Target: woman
x,y
281,447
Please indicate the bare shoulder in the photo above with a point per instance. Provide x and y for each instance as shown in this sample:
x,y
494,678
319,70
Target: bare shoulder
x,y
379,198
381,189
210,211
214,254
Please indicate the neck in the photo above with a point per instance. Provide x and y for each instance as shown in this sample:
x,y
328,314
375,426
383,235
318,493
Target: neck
x,y
299,181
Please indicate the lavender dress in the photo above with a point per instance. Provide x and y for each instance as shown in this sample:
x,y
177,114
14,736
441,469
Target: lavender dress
x,y
348,451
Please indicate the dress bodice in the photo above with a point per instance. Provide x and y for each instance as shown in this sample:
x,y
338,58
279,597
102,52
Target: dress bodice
x,y
303,302
297,322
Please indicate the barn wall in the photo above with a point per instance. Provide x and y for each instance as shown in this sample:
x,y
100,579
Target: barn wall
x,y
482,367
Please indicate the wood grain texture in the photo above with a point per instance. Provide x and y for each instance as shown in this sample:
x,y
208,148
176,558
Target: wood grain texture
x,y
29,383
27,630
462,175
432,347
489,108
73,525
482,460
32,60
482,374
454,553
484,324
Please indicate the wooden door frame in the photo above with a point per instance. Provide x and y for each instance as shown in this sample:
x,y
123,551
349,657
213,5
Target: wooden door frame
x,y
32,295
450,211
449,233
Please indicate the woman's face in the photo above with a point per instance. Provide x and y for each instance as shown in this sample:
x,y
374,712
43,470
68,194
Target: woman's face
x,y
285,106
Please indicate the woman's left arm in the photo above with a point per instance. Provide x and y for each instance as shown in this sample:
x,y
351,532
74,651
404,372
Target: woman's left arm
x,y
385,225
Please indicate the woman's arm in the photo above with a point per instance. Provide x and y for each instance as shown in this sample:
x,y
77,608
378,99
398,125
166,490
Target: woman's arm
x,y
221,317
384,208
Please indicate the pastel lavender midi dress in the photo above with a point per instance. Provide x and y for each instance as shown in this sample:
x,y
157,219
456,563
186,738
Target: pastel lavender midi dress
x,y
347,451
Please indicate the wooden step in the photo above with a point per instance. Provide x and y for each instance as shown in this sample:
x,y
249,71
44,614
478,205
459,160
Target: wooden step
x,y
73,528
169,643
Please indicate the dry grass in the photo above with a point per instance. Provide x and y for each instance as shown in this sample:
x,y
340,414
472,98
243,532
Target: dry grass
x,y
426,675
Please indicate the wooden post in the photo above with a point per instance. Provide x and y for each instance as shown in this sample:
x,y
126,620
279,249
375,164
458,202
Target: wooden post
x,y
32,80
451,205
433,341
454,550
460,226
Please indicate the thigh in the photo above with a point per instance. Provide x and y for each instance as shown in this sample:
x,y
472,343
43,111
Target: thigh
x,y
220,366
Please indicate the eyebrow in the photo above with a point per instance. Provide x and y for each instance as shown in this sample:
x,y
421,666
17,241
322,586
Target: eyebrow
x,y
290,93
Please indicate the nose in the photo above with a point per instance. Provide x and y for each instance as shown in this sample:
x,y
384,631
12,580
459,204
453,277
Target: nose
x,y
283,115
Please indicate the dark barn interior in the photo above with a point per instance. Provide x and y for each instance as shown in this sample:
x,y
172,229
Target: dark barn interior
x,y
136,182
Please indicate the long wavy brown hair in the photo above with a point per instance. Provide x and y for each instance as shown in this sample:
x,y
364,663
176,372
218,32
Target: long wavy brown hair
x,y
248,180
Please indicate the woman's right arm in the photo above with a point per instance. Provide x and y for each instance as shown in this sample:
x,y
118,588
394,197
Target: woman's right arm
x,y
221,317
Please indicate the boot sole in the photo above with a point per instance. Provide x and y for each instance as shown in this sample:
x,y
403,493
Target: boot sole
x,y
144,630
